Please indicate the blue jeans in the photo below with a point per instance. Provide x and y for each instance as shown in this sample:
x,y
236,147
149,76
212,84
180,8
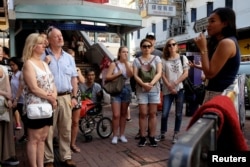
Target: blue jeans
x,y
167,102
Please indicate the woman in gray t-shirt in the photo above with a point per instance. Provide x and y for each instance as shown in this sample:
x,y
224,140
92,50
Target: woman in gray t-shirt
x,y
147,91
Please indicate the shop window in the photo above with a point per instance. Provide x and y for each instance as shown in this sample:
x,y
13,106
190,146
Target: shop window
x,y
164,24
229,3
154,28
193,14
210,6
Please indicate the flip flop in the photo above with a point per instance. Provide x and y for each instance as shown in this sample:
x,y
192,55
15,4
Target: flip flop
x,y
75,149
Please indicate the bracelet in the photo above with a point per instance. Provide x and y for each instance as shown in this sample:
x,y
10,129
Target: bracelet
x,y
73,97
203,52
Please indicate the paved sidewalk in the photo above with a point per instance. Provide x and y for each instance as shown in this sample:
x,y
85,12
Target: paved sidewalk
x,y
101,153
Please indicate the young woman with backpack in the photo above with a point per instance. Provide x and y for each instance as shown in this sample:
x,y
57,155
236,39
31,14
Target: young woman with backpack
x,y
147,90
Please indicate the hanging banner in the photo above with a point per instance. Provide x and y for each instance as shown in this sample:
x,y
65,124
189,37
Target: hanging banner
x,y
98,1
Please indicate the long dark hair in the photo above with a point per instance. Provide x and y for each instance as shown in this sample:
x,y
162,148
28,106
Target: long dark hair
x,y
17,61
226,15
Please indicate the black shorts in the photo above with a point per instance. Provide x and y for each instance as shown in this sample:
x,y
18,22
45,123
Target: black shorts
x,y
19,108
38,123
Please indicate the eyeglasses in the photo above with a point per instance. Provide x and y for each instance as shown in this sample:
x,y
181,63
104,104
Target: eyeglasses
x,y
146,46
171,44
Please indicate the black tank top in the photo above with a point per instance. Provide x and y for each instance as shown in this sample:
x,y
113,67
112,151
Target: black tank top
x,y
227,74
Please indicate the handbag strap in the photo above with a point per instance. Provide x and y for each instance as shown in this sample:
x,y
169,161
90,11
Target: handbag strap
x,y
149,62
181,57
46,74
46,70
117,66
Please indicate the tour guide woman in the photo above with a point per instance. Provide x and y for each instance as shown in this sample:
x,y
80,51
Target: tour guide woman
x,y
220,59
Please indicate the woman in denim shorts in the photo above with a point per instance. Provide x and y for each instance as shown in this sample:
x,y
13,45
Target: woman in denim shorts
x,y
120,102
148,92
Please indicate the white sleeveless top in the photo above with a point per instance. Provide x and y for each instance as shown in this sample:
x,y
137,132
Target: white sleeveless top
x,y
124,71
45,81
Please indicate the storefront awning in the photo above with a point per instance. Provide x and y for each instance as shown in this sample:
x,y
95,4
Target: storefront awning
x,y
119,20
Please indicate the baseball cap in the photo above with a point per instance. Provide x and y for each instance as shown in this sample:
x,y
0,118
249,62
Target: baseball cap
x,y
150,35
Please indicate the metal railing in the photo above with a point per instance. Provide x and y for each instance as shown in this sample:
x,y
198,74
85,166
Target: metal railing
x,y
192,147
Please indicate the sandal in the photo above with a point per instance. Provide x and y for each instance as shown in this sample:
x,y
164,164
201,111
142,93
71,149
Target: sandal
x,y
75,149
128,119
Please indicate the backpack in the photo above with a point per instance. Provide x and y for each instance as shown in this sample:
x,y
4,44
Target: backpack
x,y
146,71
191,89
187,83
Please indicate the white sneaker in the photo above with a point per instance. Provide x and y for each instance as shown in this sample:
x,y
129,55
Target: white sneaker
x,y
123,139
175,138
114,140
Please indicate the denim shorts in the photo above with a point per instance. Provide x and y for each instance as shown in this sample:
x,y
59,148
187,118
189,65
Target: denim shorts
x,y
124,96
148,97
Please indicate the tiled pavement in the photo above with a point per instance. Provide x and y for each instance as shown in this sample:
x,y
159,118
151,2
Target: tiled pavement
x,y
101,153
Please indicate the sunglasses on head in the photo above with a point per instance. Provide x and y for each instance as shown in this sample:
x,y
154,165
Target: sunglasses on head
x,y
50,29
171,44
150,37
146,46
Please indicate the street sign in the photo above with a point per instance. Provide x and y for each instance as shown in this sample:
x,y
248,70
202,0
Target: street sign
x,y
200,25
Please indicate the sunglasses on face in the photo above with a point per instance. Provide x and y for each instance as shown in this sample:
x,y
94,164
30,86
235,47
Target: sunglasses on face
x,y
171,44
146,46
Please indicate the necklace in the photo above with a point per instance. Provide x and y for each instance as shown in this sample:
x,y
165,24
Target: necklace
x,y
146,58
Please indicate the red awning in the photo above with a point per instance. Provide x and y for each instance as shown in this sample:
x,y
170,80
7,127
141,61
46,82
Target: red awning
x,y
98,1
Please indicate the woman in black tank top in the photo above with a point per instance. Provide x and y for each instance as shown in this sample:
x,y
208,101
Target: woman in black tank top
x,y
220,57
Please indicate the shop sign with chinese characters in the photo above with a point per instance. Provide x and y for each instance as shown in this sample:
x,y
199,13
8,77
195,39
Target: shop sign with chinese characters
x,y
161,10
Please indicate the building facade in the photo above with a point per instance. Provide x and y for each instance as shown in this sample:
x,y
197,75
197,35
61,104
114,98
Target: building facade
x,y
189,20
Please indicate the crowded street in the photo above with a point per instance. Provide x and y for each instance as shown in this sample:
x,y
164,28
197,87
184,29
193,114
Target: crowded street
x,y
124,83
